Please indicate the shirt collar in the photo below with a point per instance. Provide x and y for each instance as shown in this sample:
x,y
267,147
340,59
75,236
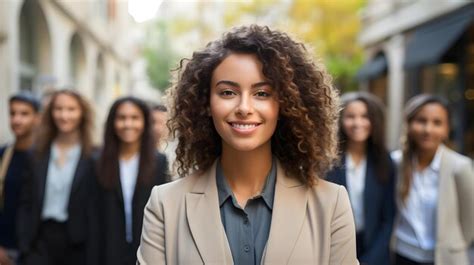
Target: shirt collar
x,y
436,162
350,163
73,152
267,193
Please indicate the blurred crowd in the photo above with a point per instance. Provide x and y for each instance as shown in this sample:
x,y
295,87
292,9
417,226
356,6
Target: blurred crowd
x,y
65,201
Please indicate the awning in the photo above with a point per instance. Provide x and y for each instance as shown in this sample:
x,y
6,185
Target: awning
x,y
431,41
373,68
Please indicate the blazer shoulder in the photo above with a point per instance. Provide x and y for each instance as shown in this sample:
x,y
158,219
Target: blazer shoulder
x,y
327,193
160,157
457,160
174,190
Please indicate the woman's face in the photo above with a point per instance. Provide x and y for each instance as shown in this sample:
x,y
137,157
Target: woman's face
x,y
355,122
429,127
243,105
67,113
129,123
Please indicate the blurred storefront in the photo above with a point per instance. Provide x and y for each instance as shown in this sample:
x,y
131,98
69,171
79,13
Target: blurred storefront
x,y
417,47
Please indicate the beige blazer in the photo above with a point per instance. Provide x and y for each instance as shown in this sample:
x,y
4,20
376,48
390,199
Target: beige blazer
x,y
182,224
455,215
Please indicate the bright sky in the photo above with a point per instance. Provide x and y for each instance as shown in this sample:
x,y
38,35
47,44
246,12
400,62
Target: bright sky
x,y
143,10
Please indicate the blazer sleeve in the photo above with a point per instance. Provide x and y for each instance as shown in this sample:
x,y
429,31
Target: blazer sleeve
x,y
162,169
343,241
465,188
24,212
152,244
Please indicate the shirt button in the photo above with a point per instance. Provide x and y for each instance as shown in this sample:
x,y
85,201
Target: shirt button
x,y
246,248
246,221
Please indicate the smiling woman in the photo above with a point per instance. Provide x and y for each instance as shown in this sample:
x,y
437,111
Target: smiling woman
x,y
256,121
54,215
127,169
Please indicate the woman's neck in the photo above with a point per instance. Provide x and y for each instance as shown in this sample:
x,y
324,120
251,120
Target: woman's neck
x,y
66,140
357,151
424,158
246,172
128,150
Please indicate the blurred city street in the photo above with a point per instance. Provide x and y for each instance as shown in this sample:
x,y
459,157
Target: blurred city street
x,y
109,48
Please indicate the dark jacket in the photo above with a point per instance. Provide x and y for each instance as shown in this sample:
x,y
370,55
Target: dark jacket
x,y
379,210
114,249
79,206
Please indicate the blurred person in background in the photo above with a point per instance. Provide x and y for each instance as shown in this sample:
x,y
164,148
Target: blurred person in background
x,y
256,120
160,117
128,168
368,173
435,191
24,113
165,145
53,217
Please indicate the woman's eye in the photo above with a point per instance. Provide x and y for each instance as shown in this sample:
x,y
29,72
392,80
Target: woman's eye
x,y
262,94
227,93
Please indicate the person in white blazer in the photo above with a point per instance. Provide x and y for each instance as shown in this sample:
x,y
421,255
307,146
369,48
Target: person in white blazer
x,y
435,191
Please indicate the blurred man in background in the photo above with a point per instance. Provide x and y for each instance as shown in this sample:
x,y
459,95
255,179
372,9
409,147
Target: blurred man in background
x,y
24,115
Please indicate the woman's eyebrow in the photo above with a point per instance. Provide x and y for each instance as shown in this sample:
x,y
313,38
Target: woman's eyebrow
x,y
227,82
261,84
235,84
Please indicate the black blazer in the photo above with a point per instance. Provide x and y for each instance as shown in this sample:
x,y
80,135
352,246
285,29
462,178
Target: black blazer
x,y
32,197
379,210
113,246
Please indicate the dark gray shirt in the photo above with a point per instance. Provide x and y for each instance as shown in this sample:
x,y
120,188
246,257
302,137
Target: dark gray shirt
x,y
246,229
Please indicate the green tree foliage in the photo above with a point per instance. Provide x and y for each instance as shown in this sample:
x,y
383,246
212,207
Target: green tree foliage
x,y
159,56
329,26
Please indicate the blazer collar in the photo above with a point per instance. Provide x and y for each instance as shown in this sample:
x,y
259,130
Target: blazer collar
x,y
203,215
289,212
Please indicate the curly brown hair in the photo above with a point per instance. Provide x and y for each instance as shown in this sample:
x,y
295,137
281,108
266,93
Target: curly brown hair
x,y
305,140
48,130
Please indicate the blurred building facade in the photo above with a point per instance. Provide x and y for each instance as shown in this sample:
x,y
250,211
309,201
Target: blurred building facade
x,y
50,44
421,46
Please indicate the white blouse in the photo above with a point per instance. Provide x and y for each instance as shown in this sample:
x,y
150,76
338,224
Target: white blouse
x,y
416,232
355,178
128,180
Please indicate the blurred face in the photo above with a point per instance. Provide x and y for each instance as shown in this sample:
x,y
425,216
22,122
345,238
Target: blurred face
x,y
356,123
243,105
159,124
429,127
67,113
129,123
23,118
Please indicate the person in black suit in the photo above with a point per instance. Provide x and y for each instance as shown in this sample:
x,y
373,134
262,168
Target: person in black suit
x,y
368,173
54,216
128,168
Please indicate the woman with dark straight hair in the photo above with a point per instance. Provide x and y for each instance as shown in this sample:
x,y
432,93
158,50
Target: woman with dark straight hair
x,y
367,171
435,189
54,219
128,168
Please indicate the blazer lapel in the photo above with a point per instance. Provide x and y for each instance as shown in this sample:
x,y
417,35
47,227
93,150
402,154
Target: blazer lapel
x,y
79,173
204,220
444,195
289,211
